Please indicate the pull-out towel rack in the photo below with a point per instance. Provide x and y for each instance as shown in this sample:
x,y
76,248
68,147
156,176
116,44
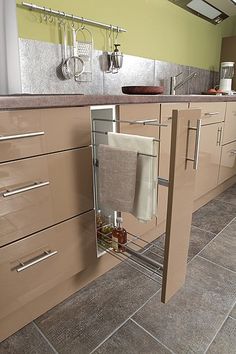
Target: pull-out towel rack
x,y
167,265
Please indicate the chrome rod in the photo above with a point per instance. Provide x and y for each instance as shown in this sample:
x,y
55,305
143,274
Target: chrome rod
x,y
25,189
30,263
144,258
140,122
20,136
211,113
150,262
106,133
197,144
163,182
129,262
71,17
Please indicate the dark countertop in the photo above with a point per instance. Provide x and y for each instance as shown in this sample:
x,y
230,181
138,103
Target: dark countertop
x,y
28,101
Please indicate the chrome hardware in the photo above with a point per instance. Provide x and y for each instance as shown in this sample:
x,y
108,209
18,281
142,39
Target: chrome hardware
x,y
163,182
233,152
173,82
30,263
20,136
219,136
197,144
72,17
25,189
148,122
211,113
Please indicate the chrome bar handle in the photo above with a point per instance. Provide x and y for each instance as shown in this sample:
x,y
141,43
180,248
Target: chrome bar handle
x,y
25,189
30,263
197,144
233,152
20,136
211,113
219,136
148,122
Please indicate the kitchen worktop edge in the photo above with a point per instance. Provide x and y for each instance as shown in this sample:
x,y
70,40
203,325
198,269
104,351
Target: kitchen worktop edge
x,y
46,101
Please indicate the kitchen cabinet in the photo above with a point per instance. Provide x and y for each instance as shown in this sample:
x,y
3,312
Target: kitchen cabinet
x,y
230,123
32,266
41,191
228,162
212,112
33,132
209,159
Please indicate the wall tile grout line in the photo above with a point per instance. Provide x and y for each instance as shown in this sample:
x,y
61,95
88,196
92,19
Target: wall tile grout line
x,y
219,265
151,335
45,338
123,323
220,327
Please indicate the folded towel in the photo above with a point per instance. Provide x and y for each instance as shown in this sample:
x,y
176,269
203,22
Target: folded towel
x,y
145,200
117,178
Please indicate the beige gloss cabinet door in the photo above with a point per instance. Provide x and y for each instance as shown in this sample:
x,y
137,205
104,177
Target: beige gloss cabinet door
x,y
228,162
74,242
64,189
135,112
209,159
230,123
164,157
212,112
25,133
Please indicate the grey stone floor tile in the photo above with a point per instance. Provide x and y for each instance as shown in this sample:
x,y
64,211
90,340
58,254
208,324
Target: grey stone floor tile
x,y
222,250
131,339
198,240
26,341
228,196
82,322
225,341
191,319
214,216
233,312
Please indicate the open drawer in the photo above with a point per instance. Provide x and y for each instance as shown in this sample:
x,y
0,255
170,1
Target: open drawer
x,y
168,263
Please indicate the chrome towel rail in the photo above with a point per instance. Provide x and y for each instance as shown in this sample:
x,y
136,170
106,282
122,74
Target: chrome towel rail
x,y
152,122
72,17
102,132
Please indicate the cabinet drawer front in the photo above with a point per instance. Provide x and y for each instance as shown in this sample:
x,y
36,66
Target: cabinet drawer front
x,y
209,159
230,123
140,112
71,248
228,162
212,112
38,192
27,133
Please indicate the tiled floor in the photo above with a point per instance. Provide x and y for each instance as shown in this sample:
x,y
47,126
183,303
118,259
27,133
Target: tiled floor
x,y
121,311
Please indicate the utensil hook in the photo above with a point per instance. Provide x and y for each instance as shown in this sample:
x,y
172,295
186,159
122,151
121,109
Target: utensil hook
x,y
50,17
45,17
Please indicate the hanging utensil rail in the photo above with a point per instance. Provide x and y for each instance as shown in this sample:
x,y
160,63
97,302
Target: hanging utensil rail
x,y
71,17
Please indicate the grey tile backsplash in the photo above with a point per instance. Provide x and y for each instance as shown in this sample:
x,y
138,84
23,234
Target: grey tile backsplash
x,y
39,61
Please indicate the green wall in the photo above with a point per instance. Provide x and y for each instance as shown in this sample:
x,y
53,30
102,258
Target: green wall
x,y
157,29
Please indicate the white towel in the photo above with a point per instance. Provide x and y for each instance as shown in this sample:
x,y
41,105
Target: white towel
x,y
146,184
